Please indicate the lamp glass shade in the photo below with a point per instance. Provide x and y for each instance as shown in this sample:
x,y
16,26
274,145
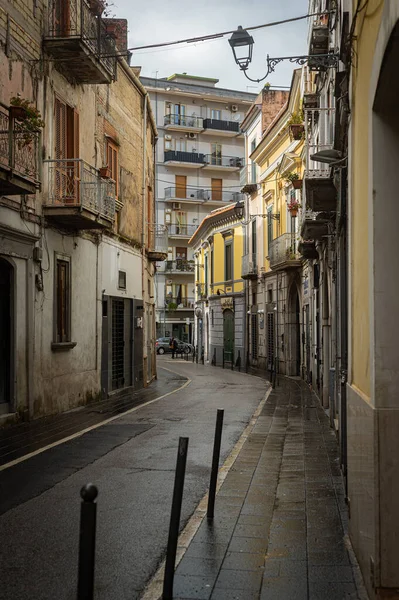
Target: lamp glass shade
x,y
242,45
239,209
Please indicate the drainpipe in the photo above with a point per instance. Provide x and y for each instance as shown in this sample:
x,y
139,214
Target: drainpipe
x,y
143,225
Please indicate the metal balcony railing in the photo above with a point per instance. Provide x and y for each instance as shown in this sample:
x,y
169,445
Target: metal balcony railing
x,y
249,266
179,303
283,249
190,157
158,238
188,193
184,230
184,121
248,175
74,20
224,161
222,125
319,135
74,183
18,148
180,265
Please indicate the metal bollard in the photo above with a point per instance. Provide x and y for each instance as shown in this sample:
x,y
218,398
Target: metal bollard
x,y
167,593
87,542
215,463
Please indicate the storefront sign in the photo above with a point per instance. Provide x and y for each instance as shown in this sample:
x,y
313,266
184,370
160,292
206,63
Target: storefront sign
x,y
227,303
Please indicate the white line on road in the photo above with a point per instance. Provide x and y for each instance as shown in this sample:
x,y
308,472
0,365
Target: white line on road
x,y
12,463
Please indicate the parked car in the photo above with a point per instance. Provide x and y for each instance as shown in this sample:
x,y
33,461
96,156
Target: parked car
x,y
162,346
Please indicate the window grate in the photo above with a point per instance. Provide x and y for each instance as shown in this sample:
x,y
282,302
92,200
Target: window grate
x,y
254,336
270,338
118,350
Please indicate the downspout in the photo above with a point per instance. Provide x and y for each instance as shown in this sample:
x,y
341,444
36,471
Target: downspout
x,y
143,262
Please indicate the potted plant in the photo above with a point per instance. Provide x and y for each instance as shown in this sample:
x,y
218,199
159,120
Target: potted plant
x,y
293,206
296,126
105,172
295,180
29,120
172,306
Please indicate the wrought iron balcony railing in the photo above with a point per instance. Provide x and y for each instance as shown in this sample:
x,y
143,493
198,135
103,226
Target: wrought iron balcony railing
x,y
18,156
224,161
184,121
319,135
79,39
74,183
190,157
283,250
157,242
184,230
180,265
222,125
249,268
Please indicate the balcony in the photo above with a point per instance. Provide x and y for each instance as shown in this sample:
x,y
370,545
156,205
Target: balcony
x,y
249,268
248,179
78,41
180,266
202,291
190,160
319,35
157,242
18,157
221,197
283,253
187,195
223,163
77,197
221,128
183,123
181,231
178,304
321,194
314,226
307,248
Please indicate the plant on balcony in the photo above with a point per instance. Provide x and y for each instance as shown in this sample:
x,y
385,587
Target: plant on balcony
x,y
293,206
295,180
30,123
296,126
172,306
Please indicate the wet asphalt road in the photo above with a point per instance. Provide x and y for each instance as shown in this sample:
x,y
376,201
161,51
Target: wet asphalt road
x,y
132,462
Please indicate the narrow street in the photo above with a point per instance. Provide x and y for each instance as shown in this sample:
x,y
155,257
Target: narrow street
x,y
131,459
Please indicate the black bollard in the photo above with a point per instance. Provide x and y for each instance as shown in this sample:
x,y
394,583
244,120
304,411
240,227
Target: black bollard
x,y
215,463
87,542
175,520
238,361
223,359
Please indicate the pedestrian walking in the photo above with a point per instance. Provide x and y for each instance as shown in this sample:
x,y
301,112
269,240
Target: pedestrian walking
x,y
173,345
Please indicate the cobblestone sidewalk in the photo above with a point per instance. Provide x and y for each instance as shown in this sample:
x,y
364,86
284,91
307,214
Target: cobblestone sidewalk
x,y
280,519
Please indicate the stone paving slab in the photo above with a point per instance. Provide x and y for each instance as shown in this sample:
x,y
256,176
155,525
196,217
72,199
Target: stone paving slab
x,y
280,516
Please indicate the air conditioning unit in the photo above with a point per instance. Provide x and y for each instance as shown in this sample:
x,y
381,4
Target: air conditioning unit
x,y
192,136
234,108
168,137
176,206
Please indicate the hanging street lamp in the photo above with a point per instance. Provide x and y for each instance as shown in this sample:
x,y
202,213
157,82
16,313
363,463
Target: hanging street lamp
x,y
242,45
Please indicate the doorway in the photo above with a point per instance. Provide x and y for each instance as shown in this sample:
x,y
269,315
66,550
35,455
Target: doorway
x,y
228,335
293,360
6,333
217,189
181,186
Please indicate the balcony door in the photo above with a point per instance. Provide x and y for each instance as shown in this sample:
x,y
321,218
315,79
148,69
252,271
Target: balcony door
x,y
181,186
181,222
216,154
63,22
217,189
66,148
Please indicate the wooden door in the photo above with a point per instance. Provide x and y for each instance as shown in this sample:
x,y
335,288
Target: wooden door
x,y
228,335
181,186
217,189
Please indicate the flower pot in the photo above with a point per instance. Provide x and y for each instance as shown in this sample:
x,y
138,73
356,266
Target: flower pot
x,y
296,131
97,7
18,112
105,172
294,212
297,184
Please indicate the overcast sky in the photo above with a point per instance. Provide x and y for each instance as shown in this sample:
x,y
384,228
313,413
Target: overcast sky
x,y
155,21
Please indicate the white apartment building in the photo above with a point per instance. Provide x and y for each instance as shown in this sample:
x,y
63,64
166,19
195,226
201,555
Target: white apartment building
x,y
199,156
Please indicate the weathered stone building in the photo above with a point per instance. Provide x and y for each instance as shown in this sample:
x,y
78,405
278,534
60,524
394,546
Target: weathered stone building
x,y
78,237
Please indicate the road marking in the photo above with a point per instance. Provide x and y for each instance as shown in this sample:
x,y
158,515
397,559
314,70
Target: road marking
x,y
12,463
153,590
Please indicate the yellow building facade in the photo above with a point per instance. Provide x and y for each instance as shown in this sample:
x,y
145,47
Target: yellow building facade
x,y
218,246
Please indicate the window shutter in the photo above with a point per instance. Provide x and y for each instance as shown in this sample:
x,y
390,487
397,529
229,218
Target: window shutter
x,y
60,142
76,134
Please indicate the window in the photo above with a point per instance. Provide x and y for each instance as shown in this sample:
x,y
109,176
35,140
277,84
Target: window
x,y
212,275
269,227
112,162
177,112
228,261
168,218
62,298
253,164
270,338
168,144
122,280
216,114
181,145
216,154
206,274
181,222
253,240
